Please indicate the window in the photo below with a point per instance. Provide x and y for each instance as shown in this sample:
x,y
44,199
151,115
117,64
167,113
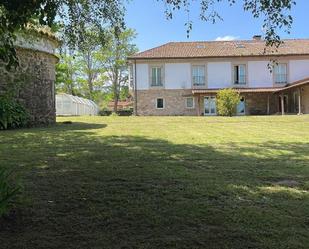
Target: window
x,y
240,74
156,76
160,103
190,102
210,106
280,71
241,106
198,75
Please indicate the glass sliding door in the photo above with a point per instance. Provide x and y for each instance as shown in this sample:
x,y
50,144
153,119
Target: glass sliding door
x,y
241,107
210,106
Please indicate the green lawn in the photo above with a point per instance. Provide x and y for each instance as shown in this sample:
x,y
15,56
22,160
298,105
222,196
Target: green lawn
x,y
160,182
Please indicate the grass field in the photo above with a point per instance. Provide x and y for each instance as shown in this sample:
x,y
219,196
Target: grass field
x,y
160,182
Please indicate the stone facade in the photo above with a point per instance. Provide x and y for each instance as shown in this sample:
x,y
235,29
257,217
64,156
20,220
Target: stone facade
x,y
255,103
35,77
175,105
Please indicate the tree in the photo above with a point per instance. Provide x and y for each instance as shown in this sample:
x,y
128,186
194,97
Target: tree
x,y
114,58
74,16
124,93
81,68
275,13
90,68
79,74
66,71
227,100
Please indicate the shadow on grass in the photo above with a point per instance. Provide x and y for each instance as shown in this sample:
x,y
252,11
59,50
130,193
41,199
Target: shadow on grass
x,y
60,126
78,126
90,191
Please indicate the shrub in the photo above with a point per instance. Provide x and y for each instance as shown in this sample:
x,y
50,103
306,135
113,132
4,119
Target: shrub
x,y
7,191
12,114
227,100
128,112
105,113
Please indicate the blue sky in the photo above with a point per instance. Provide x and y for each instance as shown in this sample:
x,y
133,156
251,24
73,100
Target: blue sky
x,y
148,19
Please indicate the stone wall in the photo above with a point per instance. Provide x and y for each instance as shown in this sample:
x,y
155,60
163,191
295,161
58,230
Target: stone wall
x,y
256,103
36,77
174,103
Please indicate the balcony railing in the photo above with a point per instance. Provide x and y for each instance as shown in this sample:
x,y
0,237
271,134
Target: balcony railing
x,y
281,78
241,80
156,82
198,80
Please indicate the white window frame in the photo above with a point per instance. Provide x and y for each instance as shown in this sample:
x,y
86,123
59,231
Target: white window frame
x,y
159,108
286,74
211,97
193,76
151,77
234,74
186,103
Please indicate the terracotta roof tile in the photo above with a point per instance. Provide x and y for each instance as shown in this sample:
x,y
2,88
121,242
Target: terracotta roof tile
x,y
208,49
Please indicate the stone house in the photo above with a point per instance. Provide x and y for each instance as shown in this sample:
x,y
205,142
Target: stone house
x,y
33,79
183,78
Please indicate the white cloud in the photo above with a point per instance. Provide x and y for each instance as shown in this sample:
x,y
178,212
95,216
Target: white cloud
x,y
227,38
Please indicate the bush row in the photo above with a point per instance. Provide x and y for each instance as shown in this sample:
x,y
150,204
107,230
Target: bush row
x,y
119,113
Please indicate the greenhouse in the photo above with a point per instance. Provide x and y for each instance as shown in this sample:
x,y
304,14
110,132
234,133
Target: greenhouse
x,y
69,105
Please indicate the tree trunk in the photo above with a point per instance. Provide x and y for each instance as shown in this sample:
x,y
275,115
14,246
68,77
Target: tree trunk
x,y
116,92
90,74
90,86
115,104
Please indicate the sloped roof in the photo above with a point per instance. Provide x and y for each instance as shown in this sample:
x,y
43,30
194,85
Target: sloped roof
x,y
298,83
215,49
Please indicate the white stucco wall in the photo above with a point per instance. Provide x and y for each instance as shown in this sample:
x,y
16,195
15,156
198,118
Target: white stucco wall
x,y
177,76
142,76
259,75
299,69
219,74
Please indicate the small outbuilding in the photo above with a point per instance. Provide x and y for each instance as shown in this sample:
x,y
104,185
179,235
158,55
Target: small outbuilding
x,y
32,82
69,105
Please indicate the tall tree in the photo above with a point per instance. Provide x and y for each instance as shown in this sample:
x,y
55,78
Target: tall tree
x,y
275,13
114,58
66,72
90,67
74,15
86,60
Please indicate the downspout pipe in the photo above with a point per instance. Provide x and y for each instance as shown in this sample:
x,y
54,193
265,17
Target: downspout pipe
x,y
135,90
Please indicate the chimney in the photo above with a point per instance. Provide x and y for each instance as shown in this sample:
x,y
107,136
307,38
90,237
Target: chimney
x,y
257,37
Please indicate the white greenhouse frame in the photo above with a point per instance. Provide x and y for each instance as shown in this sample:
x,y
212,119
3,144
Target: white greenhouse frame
x,y
69,105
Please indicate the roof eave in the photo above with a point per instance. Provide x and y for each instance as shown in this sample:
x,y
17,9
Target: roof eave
x,y
132,58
